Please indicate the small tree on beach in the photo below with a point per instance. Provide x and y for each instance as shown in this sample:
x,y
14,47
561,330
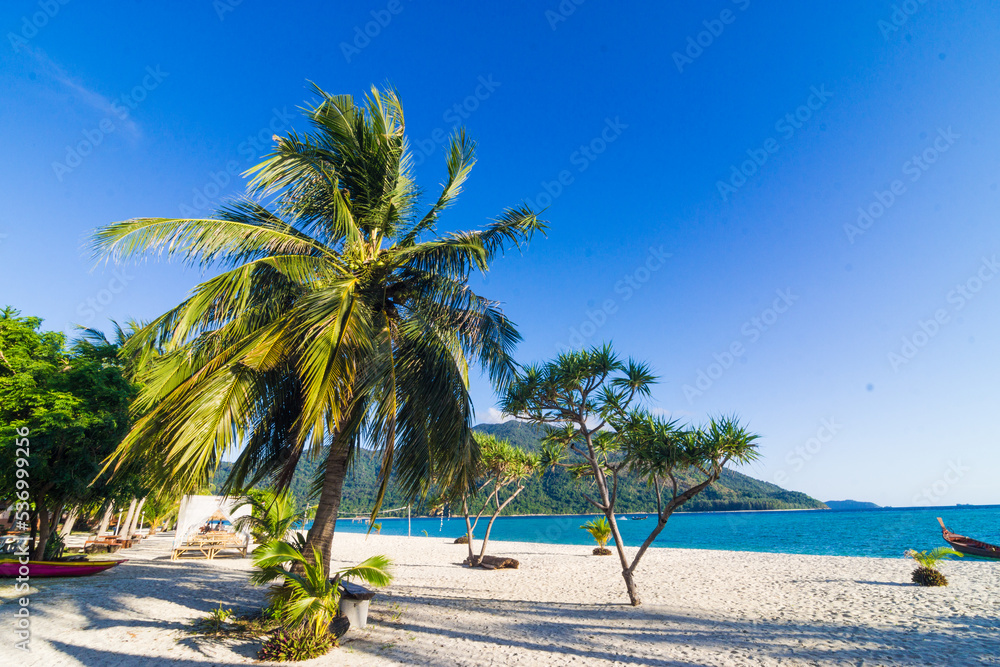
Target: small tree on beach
x,y
307,597
505,470
927,573
600,530
272,515
590,395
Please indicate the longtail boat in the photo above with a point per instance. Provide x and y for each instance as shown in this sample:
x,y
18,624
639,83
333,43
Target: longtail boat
x,y
967,545
11,567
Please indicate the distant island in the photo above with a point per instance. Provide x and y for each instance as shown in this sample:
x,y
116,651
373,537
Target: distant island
x,y
554,492
851,505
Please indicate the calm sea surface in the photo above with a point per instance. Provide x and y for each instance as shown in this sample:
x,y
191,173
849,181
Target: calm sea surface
x,y
880,532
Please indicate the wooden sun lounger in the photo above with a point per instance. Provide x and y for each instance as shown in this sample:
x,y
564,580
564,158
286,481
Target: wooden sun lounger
x,y
108,543
209,545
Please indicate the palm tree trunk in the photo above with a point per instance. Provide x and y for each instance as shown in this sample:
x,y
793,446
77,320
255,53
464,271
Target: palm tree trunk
x,y
135,518
109,511
321,534
128,519
468,524
70,520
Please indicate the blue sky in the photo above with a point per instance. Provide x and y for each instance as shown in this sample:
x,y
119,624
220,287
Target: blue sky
x,y
703,169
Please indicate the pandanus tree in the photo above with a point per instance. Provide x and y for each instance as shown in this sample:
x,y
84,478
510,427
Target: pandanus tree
x,y
504,471
590,398
338,317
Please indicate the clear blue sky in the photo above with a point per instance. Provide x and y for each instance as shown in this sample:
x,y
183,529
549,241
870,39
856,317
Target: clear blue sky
x,y
645,127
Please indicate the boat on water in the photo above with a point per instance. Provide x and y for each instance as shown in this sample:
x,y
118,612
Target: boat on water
x,y
967,545
11,567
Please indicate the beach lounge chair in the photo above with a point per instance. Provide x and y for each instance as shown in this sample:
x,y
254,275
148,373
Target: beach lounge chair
x,y
208,545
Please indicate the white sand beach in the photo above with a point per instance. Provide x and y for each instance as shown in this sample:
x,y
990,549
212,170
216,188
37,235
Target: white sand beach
x,y
563,606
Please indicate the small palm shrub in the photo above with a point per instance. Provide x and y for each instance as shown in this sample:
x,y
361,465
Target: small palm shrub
x,y
600,530
310,600
925,576
295,645
927,573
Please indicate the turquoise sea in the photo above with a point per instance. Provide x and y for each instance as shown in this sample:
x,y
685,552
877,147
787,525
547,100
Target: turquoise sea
x,y
877,532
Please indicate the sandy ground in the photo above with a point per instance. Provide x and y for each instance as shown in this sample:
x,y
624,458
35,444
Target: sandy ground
x,y
564,606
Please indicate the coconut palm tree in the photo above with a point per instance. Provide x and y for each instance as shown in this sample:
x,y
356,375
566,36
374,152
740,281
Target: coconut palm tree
x,y
600,530
310,600
337,317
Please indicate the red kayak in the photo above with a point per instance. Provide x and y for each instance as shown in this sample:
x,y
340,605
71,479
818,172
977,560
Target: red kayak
x,y
11,567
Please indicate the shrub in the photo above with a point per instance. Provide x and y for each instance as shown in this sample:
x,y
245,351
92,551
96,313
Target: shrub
x,y
600,530
295,645
925,576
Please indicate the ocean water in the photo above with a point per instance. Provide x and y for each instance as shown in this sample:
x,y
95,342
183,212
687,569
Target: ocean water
x,y
883,533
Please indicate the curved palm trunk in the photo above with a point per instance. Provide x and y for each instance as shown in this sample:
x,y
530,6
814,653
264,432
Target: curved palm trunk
x,y
70,522
128,519
321,533
109,511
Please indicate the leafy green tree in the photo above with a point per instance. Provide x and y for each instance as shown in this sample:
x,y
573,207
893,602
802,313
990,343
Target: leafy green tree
x,y
335,319
505,469
589,397
70,407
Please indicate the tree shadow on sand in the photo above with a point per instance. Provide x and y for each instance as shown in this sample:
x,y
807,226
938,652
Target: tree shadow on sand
x,y
654,636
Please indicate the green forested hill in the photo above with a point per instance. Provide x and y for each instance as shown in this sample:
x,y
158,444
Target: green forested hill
x,y
556,492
